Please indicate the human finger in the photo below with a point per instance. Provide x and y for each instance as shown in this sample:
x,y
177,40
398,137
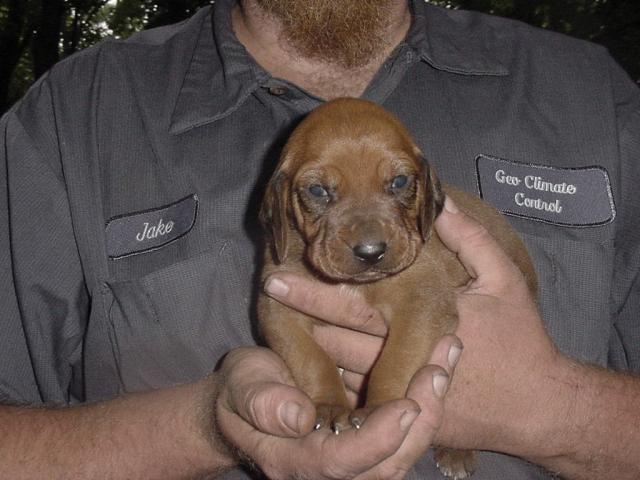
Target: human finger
x,y
338,304
427,388
446,353
353,382
322,454
350,349
259,388
479,252
360,450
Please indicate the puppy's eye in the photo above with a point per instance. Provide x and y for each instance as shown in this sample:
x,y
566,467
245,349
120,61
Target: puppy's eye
x,y
318,191
399,182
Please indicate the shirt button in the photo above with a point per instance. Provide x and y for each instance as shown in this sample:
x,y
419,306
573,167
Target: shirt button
x,y
278,90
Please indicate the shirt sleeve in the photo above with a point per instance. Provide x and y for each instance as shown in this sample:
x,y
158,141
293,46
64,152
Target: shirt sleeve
x,y
625,296
43,296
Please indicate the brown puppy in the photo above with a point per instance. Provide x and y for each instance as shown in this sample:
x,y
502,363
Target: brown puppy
x,y
353,201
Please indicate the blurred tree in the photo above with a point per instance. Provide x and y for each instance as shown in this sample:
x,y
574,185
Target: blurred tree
x,y
129,16
85,24
171,11
34,34
45,43
15,36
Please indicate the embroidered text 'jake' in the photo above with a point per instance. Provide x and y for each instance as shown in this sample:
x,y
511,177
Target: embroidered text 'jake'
x,y
577,197
141,232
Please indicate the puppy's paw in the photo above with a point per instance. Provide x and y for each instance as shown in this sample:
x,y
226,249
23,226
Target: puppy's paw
x,y
358,416
455,464
335,417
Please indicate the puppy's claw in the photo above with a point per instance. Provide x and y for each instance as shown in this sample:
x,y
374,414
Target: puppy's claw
x,y
455,464
332,416
448,473
359,416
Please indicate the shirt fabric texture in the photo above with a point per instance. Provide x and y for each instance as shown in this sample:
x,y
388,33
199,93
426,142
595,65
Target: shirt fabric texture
x,y
182,119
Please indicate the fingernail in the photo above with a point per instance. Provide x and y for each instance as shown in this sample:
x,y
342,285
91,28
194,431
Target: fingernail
x,y
276,287
454,355
440,384
407,419
449,205
289,414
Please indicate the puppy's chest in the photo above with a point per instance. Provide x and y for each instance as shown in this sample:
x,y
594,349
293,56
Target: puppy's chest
x,y
424,286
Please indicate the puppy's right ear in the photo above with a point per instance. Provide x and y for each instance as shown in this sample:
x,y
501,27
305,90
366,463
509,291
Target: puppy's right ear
x,y
274,214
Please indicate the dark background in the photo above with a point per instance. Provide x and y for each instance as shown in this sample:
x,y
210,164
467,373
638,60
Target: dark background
x,y
35,34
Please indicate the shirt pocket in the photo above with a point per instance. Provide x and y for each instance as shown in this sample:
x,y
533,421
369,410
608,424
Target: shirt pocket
x,y
574,269
175,324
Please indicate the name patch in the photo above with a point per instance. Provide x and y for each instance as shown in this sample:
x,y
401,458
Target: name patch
x,y
141,232
578,197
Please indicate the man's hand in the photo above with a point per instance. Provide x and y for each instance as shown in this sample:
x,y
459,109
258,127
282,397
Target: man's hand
x,y
513,392
509,357
261,414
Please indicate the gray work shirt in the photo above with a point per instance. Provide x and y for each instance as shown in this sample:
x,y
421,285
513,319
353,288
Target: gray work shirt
x,y
132,173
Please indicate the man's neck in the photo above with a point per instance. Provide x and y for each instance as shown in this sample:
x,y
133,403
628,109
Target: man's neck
x,y
260,33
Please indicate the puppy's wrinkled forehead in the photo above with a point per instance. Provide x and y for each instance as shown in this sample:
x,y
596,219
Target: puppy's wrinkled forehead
x,y
358,130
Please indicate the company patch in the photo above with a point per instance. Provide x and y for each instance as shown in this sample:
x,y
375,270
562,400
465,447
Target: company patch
x,y
579,197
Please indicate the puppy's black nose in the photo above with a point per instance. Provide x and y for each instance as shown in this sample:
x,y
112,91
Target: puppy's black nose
x,y
370,252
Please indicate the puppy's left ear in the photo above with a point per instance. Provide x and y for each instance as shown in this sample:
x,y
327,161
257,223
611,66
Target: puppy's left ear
x,y
274,214
430,199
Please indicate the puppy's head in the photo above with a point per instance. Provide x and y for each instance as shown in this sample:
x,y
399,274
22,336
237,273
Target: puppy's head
x,y
354,186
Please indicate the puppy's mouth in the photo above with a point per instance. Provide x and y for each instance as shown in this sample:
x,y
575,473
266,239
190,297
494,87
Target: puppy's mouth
x,y
369,276
343,273
350,264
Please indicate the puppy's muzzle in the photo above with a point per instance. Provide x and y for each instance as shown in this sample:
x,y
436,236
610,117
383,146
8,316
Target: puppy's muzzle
x,y
370,252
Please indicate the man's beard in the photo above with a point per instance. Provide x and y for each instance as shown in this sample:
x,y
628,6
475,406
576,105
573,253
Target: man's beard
x,y
349,33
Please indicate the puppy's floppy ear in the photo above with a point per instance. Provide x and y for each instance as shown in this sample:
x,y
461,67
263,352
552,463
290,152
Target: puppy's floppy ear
x,y
274,214
430,199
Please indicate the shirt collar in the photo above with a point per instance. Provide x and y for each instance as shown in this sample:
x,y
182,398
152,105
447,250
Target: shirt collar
x,y
455,41
222,75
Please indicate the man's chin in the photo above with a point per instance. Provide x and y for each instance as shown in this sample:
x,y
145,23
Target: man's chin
x,y
349,33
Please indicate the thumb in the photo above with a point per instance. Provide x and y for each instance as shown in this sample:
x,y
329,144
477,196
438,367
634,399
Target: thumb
x,y
259,388
480,254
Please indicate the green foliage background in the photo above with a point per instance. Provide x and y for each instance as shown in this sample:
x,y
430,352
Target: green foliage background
x,y
35,34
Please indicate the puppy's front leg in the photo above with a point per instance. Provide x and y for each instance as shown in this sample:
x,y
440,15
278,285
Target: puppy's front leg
x,y
412,337
288,333
409,345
